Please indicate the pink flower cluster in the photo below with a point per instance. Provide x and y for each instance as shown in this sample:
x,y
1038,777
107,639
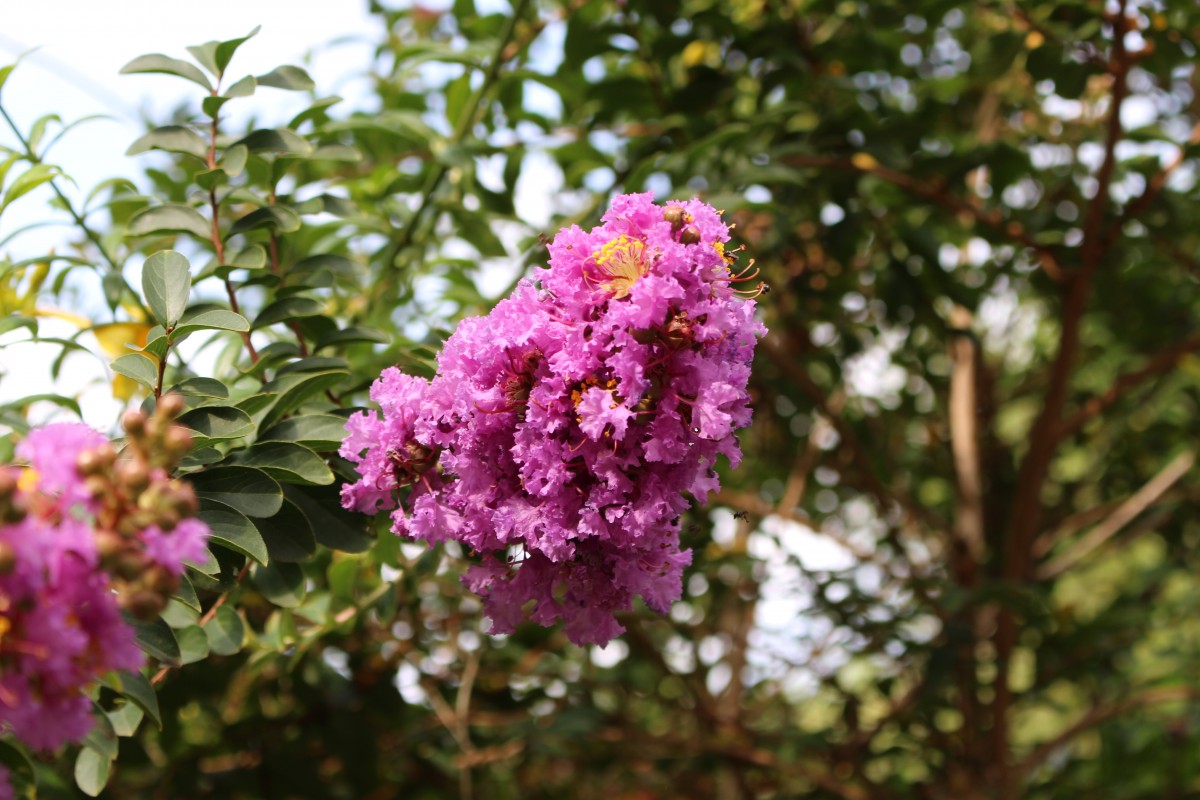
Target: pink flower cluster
x,y
563,431
61,625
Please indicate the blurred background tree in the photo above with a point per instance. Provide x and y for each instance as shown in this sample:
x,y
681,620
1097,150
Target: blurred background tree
x,y
959,560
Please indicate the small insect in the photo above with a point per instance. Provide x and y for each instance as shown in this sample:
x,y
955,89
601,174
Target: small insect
x,y
742,515
543,240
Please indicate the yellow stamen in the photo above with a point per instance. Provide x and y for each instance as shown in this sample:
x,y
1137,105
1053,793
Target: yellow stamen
x,y
620,262
28,479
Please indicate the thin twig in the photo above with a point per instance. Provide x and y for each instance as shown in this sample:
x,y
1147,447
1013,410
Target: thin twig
x,y
1125,513
935,192
208,615
1161,363
1098,715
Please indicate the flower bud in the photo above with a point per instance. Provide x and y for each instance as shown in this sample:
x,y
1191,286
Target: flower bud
x,y
133,474
674,215
159,580
109,544
177,442
97,460
145,605
183,498
134,423
689,235
129,564
97,486
170,406
8,558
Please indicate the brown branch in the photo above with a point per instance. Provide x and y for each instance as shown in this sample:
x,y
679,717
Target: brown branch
x,y
215,234
1099,715
1125,513
1031,476
964,441
208,615
1154,187
1097,405
937,193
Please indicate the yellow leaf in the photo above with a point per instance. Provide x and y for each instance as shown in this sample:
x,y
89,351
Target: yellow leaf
x,y
864,161
114,336
124,388
697,53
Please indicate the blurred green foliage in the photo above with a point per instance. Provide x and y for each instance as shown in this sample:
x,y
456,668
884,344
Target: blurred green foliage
x,y
959,558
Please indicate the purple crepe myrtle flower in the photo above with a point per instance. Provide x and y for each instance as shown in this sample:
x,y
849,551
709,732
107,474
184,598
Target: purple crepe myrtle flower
x,y
563,432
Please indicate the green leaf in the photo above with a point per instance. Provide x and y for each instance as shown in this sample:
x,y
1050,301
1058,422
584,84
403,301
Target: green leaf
x,y
126,718
288,308
173,139
333,527
186,594
29,180
13,757
57,399
11,323
243,88
225,50
335,265
169,218
156,639
135,686
101,738
353,335
193,644
201,387
139,367
218,422
167,283
91,772
288,535
252,256
166,65
277,218
281,583
232,529
206,55
287,77
248,490
226,632
280,141
295,389
206,567
287,462
318,431
216,319
233,160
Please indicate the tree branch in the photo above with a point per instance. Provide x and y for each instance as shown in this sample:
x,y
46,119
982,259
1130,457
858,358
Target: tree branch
x,y
1095,406
1010,229
1099,715
1125,513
